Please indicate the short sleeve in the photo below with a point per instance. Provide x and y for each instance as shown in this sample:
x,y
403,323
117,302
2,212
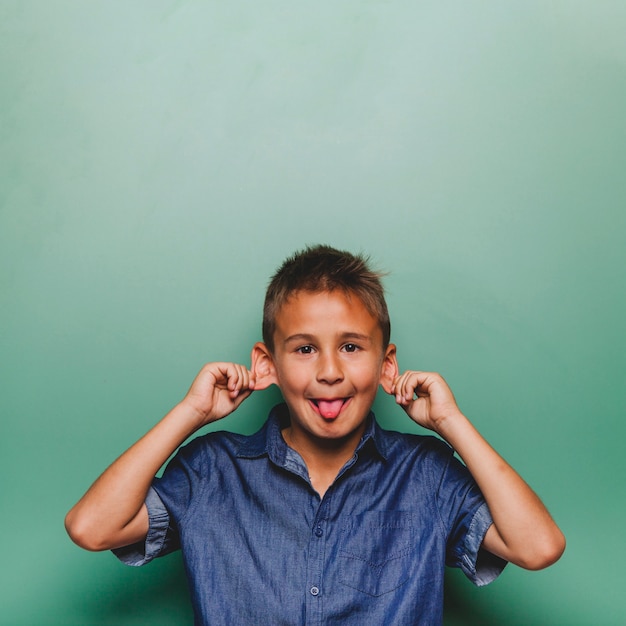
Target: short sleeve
x,y
168,501
466,518
479,565
160,540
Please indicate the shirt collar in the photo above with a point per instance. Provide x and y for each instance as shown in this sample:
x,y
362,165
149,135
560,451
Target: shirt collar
x,y
269,440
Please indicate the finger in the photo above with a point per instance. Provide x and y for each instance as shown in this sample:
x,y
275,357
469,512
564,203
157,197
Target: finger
x,y
221,374
410,386
245,378
393,388
224,375
408,391
242,381
245,385
400,387
235,381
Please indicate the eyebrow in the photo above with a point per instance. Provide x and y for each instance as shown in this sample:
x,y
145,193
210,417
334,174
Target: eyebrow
x,y
342,336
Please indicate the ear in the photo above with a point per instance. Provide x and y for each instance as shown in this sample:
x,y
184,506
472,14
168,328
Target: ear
x,y
262,367
390,368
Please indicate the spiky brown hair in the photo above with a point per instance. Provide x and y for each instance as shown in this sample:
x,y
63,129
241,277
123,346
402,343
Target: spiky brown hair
x,y
323,268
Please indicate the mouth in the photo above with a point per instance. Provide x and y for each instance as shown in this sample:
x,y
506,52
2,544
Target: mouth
x,y
329,408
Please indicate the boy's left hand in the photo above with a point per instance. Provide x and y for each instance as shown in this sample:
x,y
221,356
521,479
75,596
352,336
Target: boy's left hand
x,y
426,398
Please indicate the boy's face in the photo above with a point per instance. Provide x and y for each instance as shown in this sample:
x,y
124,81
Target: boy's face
x,y
328,361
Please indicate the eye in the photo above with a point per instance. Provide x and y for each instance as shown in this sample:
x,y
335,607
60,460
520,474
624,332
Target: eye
x,y
350,347
304,350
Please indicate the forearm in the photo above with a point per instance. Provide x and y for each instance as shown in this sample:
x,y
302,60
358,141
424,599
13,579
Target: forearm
x,y
112,513
523,531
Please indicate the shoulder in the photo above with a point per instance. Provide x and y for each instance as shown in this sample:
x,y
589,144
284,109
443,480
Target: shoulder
x,y
425,470
209,448
393,443
421,457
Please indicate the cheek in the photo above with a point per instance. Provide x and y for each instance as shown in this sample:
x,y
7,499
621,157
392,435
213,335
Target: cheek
x,y
292,378
368,377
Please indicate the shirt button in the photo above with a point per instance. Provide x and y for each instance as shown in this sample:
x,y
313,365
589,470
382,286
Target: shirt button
x,y
319,531
315,591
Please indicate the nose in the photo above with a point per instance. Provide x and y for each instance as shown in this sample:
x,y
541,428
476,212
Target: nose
x,y
329,369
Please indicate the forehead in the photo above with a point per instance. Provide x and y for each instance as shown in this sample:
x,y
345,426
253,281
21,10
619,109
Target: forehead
x,y
325,311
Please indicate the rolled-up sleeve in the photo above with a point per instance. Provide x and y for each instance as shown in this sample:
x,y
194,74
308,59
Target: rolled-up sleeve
x,y
467,518
479,565
160,540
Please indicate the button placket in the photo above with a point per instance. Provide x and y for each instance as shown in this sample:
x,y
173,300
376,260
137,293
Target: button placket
x,y
316,559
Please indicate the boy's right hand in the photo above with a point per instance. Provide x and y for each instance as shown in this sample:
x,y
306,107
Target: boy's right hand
x,y
218,390
113,513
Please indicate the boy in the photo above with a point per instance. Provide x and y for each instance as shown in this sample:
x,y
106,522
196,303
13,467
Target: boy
x,y
320,517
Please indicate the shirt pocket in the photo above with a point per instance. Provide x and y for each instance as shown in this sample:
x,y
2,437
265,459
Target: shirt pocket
x,y
375,552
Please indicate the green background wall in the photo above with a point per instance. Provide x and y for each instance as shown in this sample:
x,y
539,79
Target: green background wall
x,y
158,159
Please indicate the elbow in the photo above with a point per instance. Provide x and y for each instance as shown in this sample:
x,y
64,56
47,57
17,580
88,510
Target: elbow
x,y
546,554
83,534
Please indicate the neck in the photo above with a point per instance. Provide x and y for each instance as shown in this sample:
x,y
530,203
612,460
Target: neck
x,y
323,458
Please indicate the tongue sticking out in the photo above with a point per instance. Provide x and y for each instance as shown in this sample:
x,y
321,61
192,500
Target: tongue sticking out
x,y
330,408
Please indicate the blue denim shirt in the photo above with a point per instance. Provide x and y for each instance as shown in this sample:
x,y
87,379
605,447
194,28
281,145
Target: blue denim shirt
x,y
261,547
